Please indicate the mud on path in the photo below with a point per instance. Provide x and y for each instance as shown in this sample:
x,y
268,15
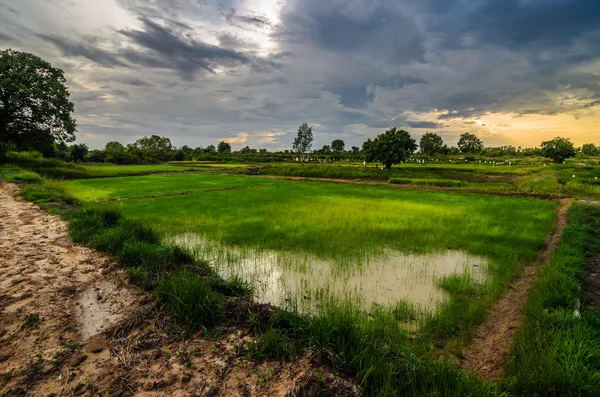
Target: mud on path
x,y
70,325
490,347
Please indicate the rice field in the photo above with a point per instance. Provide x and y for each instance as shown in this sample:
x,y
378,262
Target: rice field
x,y
304,245
382,277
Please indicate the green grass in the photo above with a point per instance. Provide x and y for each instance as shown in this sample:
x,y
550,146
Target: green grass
x,y
123,187
557,352
427,182
465,173
345,221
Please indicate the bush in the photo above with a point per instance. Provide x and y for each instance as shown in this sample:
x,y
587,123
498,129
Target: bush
x,y
190,299
427,182
25,177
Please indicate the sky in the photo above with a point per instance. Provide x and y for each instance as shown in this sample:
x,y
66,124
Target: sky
x,y
514,72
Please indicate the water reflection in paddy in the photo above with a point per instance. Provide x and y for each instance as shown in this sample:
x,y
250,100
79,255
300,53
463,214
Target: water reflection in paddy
x,y
281,277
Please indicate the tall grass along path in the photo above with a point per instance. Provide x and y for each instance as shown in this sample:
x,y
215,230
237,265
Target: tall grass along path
x,y
492,340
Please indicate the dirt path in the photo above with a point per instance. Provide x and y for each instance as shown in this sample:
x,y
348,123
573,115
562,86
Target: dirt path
x,y
492,340
70,325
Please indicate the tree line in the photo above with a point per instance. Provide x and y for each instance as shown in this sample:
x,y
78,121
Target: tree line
x,y
36,115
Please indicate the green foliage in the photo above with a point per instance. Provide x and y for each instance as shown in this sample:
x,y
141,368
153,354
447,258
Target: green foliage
x,y
558,149
589,149
470,143
303,141
557,350
427,182
392,147
224,147
79,152
190,299
431,144
338,145
25,177
33,99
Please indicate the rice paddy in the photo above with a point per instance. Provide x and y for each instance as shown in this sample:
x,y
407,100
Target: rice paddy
x,y
305,244
382,276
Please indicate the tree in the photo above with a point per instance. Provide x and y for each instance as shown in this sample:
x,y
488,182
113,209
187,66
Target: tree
x,y
589,149
154,143
326,149
558,149
224,147
431,144
79,151
390,148
338,146
303,141
33,99
355,150
469,143
210,149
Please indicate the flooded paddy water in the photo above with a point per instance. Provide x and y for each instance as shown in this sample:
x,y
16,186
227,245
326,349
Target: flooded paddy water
x,y
284,278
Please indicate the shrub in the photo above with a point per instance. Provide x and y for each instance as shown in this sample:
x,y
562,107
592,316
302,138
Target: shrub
x,y
190,299
25,177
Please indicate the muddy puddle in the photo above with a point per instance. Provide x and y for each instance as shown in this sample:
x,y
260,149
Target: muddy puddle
x,y
101,305
283,278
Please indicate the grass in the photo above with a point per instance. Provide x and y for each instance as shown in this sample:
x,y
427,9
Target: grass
x,y
427,182
557,351
124,187
345,223
58,169
466,173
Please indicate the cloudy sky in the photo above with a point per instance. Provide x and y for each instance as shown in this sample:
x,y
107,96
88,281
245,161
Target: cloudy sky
x,y
250,71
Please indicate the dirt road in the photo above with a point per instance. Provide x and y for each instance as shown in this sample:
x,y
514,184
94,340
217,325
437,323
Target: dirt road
x,y
70,325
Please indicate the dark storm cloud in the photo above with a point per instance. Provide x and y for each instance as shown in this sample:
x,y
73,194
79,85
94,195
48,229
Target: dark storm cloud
x,y
233,18
423,124
85,49
186,55
348,66
134,81
364,27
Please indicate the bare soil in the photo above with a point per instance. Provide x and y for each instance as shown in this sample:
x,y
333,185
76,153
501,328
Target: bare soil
x,y
490,347
70,325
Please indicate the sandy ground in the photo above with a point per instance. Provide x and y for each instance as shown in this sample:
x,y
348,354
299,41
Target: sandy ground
x,y
492,340
70,325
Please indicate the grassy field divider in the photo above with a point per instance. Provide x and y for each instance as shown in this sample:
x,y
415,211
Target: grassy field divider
x,y
557,349
426,182
187,287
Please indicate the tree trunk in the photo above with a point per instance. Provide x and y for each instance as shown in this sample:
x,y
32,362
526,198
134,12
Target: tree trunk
x,y
2,152
388,166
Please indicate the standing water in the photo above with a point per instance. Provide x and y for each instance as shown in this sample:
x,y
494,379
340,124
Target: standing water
x,y
283,277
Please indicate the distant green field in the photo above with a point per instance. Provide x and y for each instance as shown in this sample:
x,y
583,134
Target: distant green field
x,y
123,187
200,164
102,168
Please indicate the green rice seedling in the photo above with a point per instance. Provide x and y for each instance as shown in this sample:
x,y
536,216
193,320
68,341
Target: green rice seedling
x,y
189,298
233,286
